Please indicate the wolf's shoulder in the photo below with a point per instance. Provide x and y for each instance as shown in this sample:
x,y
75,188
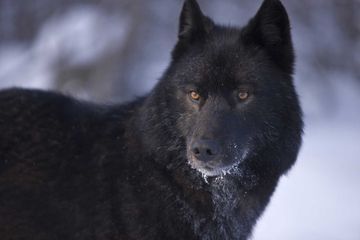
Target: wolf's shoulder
x,y
44,113
15,101
36,124
40,111
29,104
17,94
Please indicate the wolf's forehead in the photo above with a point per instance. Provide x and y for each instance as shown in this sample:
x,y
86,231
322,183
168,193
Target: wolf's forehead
x,y
226,64
218,76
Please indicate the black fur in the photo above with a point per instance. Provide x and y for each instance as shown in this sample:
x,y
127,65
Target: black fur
x,y
77,170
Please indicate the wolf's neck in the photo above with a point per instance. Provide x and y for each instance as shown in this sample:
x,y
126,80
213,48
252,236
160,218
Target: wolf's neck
x,y
231,213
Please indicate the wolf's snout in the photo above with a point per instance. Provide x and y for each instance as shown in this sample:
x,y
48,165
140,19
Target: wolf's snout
x,y
205,150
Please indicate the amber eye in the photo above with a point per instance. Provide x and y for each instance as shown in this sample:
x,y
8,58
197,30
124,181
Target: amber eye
x,y
195,96
243,95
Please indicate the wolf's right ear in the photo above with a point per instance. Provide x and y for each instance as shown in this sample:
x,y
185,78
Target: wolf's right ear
x,y
193,26
191,23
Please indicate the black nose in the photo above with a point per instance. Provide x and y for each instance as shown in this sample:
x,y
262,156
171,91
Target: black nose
x,y
205,150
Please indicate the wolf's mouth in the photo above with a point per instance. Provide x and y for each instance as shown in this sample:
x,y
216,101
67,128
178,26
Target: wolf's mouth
x,y
208,170
214,172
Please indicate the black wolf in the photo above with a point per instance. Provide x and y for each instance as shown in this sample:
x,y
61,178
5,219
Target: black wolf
x,y
197,158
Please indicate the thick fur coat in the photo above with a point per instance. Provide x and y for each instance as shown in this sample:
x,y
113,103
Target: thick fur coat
x,y
197,158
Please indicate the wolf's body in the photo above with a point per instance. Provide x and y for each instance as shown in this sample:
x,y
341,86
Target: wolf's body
x,y
197,158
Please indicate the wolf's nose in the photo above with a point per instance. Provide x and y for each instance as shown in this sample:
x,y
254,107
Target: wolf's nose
x,y
205,150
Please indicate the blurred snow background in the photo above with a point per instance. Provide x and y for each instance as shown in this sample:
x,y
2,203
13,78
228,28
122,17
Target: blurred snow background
x,y
113,50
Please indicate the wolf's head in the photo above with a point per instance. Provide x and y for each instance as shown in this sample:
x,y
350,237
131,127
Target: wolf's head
x,y
229,92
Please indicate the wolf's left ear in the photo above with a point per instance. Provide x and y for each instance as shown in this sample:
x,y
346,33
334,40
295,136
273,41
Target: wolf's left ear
x,y
270,28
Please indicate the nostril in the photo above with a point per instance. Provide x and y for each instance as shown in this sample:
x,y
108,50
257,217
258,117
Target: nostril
x,y
205,150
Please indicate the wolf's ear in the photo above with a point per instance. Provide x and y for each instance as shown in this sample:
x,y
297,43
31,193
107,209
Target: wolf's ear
x,y
270,28
193,24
